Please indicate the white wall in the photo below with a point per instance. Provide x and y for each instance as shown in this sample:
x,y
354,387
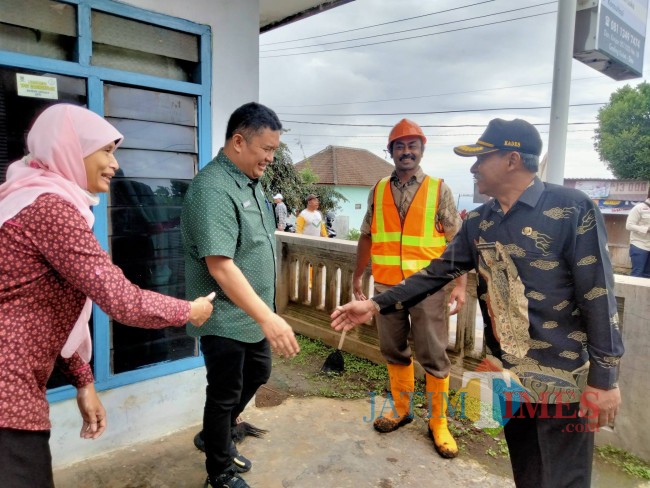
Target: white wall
x,y
235,51
134,413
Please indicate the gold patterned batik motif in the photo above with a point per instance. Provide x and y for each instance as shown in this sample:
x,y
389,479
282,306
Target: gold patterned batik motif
x,y
515,250
595,293
578,336
558,213
544,265
542,241
569,355
551,385
551,324
506,302
472,215
588,222
535,295
485,225
587,260
563,304
607,361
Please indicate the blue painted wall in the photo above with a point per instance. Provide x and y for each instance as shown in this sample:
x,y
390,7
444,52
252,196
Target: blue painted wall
x,y
356,195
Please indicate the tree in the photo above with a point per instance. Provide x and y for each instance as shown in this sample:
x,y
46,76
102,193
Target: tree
x,y
623,135
282,177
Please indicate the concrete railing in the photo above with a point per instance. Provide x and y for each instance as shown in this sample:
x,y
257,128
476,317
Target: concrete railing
x,y
315,275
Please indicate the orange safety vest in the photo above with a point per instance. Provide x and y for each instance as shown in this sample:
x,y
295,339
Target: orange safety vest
x,y
397,252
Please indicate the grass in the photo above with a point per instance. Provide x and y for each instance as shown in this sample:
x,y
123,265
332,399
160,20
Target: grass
x,y
360,377
629,463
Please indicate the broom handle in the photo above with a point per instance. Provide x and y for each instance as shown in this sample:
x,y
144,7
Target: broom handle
x,y
342,339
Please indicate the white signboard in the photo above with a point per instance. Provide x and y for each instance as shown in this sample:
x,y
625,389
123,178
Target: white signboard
x,y
36,86
621,31
594,189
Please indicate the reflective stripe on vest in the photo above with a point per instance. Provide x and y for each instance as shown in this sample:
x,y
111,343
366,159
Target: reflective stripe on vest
x,y
397,252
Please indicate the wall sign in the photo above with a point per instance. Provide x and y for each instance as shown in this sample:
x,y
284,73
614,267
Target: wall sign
x,y
36,86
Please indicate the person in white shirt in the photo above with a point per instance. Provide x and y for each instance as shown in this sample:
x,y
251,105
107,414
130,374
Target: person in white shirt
x,y
280,212
310,221
638,223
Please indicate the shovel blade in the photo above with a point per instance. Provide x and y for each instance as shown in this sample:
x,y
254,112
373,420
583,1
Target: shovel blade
x,y
334,363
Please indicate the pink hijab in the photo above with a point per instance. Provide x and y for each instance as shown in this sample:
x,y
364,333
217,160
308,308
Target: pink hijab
x,y
61,137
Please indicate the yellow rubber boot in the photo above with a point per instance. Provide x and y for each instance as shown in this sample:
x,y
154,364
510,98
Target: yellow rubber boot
x,y
437,394
402,385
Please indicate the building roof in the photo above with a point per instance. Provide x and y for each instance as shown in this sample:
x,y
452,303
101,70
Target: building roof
x,y
347,166
276,13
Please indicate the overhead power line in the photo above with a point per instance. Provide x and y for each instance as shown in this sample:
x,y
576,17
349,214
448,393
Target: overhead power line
x,y
411,37
383,136
376,25
459,126
432,95
391,125
451,22
440,111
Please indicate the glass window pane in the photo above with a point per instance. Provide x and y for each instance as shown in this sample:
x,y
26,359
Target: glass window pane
x,y
135,163
135,103
18,112
141,134
154,198
38,27
157,162
144,48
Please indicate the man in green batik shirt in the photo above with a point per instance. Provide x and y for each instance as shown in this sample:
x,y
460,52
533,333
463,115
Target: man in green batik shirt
x,y
228,229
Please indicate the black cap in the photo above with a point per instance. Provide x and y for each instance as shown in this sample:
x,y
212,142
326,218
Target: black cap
x,y
505,135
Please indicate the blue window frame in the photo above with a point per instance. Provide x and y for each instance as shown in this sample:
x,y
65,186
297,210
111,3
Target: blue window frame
x,y
97,78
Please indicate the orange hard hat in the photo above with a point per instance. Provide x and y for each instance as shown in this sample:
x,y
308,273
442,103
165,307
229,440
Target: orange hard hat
x,y
405,128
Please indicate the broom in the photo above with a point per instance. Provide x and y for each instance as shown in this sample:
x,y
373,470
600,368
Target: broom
x,y
334,362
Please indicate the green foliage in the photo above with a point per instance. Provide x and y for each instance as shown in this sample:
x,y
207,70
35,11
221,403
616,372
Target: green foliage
x,y
630,463
354,234
360,377
622,138
282,177
327,196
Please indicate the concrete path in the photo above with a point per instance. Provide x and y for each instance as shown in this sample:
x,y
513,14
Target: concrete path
x,y
312,442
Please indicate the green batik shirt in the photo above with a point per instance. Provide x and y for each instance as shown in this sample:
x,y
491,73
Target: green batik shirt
x,y
225,213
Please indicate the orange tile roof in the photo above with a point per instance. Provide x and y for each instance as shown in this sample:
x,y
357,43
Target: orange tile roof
x,y
347,166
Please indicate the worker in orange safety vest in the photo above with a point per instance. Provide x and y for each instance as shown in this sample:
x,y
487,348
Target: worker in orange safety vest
x,y
410,219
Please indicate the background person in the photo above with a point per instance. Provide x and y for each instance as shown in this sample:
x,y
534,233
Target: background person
x,y
410,219
280,212
638,223
310,221
546,295
51,267
228,230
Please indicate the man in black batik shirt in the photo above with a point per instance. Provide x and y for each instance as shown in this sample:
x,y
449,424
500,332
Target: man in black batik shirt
x,y
546,291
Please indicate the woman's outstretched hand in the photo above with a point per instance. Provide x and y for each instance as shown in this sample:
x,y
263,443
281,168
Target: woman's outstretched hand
x,y
201,309
348,316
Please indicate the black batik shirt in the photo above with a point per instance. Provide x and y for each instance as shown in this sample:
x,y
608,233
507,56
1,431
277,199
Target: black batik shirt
x,y
546,290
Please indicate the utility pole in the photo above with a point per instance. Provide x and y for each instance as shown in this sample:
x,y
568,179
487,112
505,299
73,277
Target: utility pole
x,y
566,20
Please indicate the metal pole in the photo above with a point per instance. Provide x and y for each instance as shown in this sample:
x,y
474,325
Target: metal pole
x,y
566,21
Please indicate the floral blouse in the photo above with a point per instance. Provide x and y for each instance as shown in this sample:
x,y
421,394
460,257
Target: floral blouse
x,y
50,261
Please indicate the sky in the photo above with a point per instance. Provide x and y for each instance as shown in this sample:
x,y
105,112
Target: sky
x,y
496,60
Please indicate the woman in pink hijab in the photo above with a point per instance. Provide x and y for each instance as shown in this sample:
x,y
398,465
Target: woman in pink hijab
x,y
51,270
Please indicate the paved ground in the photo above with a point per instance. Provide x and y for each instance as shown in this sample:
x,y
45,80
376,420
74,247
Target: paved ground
x,y
312,443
